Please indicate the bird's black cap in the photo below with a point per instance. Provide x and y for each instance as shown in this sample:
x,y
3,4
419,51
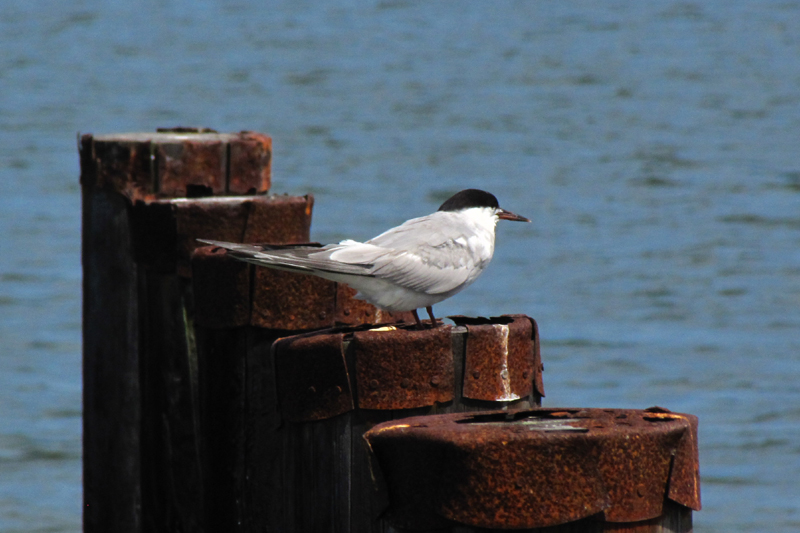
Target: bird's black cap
x,y
469,198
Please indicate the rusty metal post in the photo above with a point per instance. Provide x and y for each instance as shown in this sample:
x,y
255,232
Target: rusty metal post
x,y
329,387
544,470
311,396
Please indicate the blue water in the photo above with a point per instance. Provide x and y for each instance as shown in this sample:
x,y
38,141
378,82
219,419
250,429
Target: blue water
x,y
654,145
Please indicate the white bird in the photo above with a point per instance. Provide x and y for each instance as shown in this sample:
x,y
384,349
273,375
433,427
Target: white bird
x,y
419,263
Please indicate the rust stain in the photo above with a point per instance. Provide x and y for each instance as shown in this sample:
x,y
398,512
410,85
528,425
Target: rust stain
x,y
124,165
278,219
290,301
395,369
503,358
166,230
215,218
188,167
188,170
499,361
250,166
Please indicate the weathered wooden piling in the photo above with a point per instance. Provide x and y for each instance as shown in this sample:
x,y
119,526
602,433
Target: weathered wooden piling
x,y
141,415
149,401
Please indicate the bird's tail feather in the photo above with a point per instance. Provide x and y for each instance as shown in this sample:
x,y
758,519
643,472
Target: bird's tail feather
x,y
290,257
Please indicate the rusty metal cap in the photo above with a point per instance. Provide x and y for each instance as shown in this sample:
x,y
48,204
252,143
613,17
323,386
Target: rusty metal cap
x,y
311,377
538,467
179,162
395,366
499,364
165,232
403,369
503,357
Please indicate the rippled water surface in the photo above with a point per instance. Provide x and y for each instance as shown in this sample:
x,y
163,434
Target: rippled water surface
x,y
654,145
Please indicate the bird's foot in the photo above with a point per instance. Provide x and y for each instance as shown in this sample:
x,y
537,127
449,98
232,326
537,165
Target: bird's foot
x,y
416,318
434,324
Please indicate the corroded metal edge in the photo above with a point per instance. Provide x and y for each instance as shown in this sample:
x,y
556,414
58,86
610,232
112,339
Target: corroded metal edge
x,y
395,366
184,162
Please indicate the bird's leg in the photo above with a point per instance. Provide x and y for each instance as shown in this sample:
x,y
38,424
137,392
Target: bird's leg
x,y
416,317
429,309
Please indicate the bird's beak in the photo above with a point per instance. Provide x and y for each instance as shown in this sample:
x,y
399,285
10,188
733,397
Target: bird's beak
x,y
508,215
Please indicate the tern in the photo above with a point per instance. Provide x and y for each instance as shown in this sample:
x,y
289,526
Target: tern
x,y
417,264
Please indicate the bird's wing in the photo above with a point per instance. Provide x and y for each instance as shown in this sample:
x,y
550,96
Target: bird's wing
x,y
429,271
427,255
308,259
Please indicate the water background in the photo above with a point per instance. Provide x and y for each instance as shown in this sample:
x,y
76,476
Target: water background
x,y
655,145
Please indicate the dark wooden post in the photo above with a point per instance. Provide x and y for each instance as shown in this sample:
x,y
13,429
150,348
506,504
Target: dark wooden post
x,y
143,458
111,385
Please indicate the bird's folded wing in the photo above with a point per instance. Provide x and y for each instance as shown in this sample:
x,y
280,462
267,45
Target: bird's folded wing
x,y
427,254
430,270
436,269
417,265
